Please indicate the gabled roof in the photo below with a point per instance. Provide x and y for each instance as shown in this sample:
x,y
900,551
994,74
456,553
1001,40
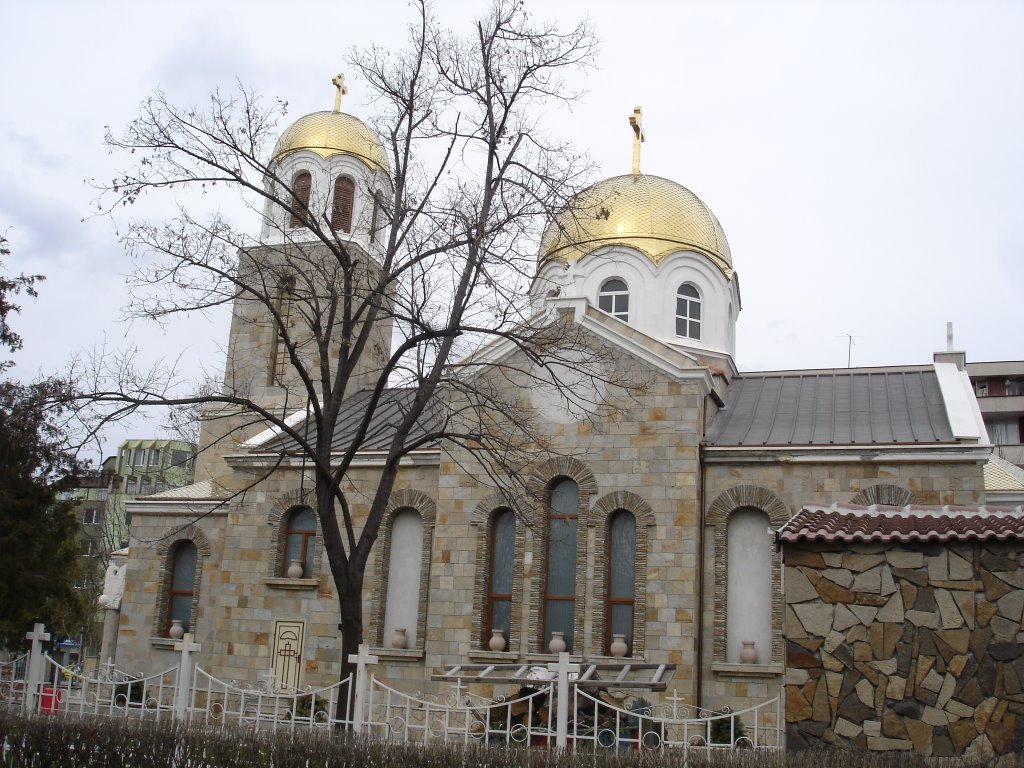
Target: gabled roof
x,y
845,407
391,409
1003,477
851,523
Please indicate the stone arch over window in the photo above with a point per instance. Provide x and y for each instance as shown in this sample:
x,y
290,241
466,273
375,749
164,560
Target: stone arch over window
x,y
688,312
540,485
167,551
302,187
279,518
600,519
483,519
613,298
343,204
401,503
884,493
735,499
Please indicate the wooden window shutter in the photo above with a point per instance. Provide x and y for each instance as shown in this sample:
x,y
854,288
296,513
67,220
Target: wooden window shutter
x,y
301,188
344,196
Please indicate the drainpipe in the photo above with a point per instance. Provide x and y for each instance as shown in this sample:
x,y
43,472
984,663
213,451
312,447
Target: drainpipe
x,y
699,650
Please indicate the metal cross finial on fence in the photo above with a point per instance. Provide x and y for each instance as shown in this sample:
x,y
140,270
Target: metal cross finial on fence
x,y
38,636
563,667
185,647
362,659
675,698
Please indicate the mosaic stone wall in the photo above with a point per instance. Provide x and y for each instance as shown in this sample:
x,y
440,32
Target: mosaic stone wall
x,y
916,647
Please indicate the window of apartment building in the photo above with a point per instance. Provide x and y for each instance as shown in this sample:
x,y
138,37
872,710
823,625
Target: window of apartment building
x,y
91,517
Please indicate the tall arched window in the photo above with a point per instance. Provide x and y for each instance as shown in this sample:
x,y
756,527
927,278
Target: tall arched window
x,y
688,312
182,585
302,186
499,576
560,579
344,198
749,592
300,541
284,304
614,299
621,587
405,561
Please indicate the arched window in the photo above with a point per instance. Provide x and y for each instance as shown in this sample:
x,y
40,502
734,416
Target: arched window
x,y
614,299
302,186
688,312
300,541
405,561
181,585
749,591
621,587
284,304
560,579
344,198
498,612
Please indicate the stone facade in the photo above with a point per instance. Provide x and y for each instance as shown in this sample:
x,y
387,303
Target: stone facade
x,y
906,647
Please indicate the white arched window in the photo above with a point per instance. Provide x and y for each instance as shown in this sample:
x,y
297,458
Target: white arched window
x,y
688,312
405,561
749,591
613,298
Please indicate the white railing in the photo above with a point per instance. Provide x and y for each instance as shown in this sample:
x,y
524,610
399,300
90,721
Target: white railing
x,y
553,710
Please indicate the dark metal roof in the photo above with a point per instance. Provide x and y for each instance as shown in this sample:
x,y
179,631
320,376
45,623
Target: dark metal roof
x,y
832,408
392,408
851,523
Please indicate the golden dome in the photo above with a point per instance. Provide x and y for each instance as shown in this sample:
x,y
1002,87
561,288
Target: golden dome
x,y
333,133
651,214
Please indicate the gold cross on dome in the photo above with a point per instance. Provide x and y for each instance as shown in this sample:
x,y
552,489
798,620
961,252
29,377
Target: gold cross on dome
x,y
636,124
339,83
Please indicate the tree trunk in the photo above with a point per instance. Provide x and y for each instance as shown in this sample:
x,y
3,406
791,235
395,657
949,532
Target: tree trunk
x,y
350,601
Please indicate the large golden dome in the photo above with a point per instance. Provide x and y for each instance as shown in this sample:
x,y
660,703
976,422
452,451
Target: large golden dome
x,y
651,214
333,133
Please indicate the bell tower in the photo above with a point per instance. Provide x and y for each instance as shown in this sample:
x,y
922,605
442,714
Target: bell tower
x,y
317,262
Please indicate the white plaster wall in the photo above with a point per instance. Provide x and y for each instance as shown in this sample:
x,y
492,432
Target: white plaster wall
x,y
406,559
324,173
749,595
652,292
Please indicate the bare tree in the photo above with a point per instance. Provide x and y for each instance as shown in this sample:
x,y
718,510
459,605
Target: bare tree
x,y
473,179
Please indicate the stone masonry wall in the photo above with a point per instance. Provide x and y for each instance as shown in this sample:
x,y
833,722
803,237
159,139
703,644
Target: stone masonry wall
x,y
913,647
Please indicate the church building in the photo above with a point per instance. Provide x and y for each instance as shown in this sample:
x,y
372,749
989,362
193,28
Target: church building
x,y
658,536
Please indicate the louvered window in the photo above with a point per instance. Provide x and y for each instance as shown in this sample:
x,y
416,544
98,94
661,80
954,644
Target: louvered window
x,y
344,197
302,186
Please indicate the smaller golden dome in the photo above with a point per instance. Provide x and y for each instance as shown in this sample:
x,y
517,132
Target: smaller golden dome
x,y
654,215
333,133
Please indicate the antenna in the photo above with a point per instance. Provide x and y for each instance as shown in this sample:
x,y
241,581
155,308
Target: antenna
x,y
849,346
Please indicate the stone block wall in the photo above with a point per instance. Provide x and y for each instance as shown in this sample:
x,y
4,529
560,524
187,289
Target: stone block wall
x,y
915,647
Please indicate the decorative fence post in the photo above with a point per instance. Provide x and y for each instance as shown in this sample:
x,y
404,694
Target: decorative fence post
x,y
34,674
361,660
183,689
563,667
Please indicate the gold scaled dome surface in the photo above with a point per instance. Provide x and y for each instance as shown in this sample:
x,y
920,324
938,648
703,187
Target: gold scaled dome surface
x,y
654,215
333,133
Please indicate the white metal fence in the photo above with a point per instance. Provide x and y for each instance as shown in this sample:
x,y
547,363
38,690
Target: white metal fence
x,y
551,710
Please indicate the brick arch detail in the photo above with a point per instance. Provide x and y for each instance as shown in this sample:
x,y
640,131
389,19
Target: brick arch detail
x,y
884,493
719,511
400,500
172,536
600,516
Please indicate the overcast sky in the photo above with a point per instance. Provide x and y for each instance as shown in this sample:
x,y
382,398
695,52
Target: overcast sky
x,y
866,159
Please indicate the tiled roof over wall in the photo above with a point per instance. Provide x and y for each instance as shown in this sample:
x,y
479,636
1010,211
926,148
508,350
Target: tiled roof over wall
x,y
832,408
391,409
850,523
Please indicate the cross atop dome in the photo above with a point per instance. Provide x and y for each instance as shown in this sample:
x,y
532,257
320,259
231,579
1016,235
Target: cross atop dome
x,y
635,122
342,89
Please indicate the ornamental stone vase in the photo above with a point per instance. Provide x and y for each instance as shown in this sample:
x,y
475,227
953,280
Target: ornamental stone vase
x,y
176,632
497,641
618,646
295,570
748,654
400,639
557,644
